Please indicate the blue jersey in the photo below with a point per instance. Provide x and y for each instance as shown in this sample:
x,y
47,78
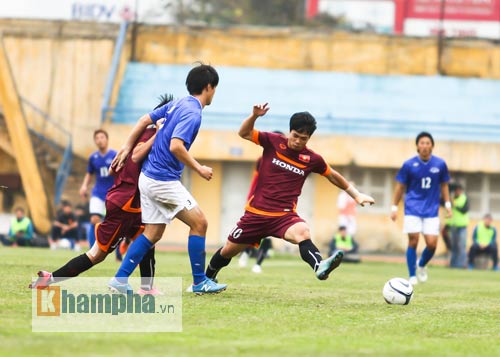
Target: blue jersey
x,y
99,165
183,120
423,185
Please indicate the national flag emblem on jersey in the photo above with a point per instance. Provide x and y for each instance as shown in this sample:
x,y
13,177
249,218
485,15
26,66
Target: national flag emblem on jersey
x,y
305,158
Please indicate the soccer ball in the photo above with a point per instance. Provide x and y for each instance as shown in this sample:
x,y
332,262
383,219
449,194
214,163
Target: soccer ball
x,y
398,291
64,243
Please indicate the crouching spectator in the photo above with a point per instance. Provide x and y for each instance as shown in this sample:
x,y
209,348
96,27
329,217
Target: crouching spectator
x,y
20,230
484,242
65,228
345,242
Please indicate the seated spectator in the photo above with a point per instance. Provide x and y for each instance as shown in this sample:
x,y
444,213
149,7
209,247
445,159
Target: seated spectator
x,y
20,231
346,243
484,241
83,217
65,226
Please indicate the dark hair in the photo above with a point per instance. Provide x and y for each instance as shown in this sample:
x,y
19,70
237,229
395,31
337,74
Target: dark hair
x,y
164,99
424,134
200,77
101,131
65,203
303,122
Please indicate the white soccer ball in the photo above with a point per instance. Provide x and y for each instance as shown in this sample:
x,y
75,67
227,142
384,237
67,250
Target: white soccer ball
x,y
398,291
64,243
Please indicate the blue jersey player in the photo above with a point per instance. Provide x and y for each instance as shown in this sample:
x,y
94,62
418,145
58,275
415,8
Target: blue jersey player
x,y
424,179
163,197
98,165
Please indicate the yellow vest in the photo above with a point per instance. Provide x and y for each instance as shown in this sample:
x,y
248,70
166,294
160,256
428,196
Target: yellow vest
x,y
19,226
459,219
343,244
484,235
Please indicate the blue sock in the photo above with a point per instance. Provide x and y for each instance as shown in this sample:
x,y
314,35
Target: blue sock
x,y
135,253
91,235
196,250
411,260
427,254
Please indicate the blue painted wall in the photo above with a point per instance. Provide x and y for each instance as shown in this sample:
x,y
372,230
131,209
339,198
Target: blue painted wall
x,y
344,103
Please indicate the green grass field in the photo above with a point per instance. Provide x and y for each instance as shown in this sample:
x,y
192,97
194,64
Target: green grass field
x,y
283,310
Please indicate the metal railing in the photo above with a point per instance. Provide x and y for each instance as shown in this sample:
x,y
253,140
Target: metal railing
x,y
106,109
52,134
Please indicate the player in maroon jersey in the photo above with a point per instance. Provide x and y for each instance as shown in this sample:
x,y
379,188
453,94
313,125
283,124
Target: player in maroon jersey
x,y
122,221
271,210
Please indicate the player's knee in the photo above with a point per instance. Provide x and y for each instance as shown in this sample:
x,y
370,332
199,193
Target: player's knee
x,y
432,245
298,233
200,225
229,252
412,242
96,256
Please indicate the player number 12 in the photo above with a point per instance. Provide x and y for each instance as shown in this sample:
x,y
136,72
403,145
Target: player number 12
x,y
426,183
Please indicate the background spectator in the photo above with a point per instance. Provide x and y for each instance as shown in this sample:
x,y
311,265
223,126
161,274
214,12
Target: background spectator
x,y
484,241
459,223
347,212
20,231
345,242
65,226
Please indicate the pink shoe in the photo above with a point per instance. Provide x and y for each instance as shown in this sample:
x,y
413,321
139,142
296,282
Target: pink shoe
x,y
43,281
152,291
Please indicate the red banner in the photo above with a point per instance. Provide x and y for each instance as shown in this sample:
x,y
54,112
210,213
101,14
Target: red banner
x,y
468,10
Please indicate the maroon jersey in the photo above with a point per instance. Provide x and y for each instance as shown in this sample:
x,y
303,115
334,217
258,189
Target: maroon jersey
x,y
125,192
282,174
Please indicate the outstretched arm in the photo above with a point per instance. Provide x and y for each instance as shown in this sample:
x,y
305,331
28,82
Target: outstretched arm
x,y
338,180
246,128
121,156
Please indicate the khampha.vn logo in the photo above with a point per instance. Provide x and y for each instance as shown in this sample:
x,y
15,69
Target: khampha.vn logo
x,y
86,305
54,301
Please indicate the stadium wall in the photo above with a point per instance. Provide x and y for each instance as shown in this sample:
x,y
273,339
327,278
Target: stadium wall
x,y
323,51
62,67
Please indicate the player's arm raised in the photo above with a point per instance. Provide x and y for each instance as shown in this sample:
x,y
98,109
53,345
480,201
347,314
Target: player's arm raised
x,y
246,128
398,193
122,154
179,150
338,180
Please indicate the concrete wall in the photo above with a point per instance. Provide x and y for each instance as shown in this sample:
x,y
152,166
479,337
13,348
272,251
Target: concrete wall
x,y
62,68
329,51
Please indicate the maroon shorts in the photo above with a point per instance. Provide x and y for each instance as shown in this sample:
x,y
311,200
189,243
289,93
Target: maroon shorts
x,y
116,226
251,228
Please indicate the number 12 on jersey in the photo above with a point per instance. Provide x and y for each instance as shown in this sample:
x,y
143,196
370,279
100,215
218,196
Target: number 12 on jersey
x,y
426,183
